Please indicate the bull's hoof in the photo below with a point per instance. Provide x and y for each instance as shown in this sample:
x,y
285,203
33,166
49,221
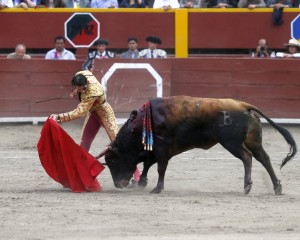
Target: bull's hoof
x,y
133,184
278,189
143,183
156,190
247,188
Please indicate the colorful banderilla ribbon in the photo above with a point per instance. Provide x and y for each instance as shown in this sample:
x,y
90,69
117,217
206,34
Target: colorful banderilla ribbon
x,y
147,139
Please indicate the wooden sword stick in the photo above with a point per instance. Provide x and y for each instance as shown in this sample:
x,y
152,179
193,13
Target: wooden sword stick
x,y
51,99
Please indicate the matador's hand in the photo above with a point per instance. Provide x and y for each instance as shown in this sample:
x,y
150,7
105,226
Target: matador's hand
x,y
55,117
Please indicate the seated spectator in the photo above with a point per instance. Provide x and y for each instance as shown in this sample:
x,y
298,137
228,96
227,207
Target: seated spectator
x,y
59,52
132,49
75,3
20,53
100,53
132,4
57,4
292,50
222,4
262,49
251,4
190,3
25,3
279,3
166,4
104,4
152,51
149,3
53,3
6,4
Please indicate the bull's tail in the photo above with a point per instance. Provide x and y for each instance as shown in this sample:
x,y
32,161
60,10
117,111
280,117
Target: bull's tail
x,y
284,132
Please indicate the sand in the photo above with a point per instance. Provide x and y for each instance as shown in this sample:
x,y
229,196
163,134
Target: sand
x,y
203,196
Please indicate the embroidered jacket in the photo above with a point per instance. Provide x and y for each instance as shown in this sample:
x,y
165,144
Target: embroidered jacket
x,y
157,53
93,99
95,54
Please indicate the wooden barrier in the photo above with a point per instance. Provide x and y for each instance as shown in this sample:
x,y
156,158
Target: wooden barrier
x,y
181,30
271,84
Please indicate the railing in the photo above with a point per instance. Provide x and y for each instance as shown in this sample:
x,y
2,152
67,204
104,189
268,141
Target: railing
x,y
271,84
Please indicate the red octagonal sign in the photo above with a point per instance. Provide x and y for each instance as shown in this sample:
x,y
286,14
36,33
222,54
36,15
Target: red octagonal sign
x,y
82,29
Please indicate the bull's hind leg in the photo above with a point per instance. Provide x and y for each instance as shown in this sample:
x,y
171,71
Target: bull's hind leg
x,y
254,143
242,153
261,156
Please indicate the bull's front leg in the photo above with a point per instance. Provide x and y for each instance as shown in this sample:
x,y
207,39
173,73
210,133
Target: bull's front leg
x,y
143,178
161,168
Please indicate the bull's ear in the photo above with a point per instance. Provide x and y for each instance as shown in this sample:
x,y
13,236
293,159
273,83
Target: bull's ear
x,y
133,115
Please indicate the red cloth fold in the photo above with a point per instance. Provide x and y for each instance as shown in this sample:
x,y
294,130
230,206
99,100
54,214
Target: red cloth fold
x,y
66,162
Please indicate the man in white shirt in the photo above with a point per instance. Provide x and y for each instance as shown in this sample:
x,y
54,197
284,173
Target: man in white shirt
x,y
59,52
152,51
292,50
6,4
166,4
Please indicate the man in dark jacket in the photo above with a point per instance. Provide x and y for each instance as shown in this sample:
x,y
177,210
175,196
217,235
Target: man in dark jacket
x,y
99,53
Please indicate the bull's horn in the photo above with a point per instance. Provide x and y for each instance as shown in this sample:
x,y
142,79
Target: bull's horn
x,y
103,152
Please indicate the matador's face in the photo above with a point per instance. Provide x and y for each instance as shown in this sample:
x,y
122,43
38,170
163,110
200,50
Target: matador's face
x,y
80,89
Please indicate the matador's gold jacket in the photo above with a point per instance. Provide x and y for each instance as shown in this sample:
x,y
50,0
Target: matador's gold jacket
x,y
94,100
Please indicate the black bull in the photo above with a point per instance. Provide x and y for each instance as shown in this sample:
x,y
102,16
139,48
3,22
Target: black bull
x,y
182,123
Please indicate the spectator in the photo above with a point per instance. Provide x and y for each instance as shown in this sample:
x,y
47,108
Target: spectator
x,y
132,49
25,3
278,6
166,4
6,4
20,53
152,51
279,3
292,50
262,49
59,52
251,4
58,3
149,3
133,4
99,53
82,4
104,4
222,4
53,3
76,3
190,3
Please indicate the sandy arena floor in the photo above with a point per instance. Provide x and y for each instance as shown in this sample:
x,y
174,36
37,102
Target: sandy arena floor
x,y
203,197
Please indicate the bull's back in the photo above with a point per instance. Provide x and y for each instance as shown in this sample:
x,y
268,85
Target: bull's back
x,y
179,108
189,122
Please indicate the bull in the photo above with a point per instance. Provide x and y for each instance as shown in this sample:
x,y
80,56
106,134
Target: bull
x,y
181,123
